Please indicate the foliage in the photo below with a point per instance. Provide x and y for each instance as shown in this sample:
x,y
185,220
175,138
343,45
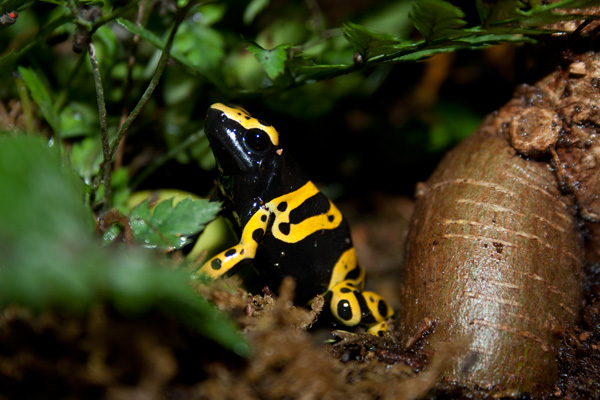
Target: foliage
x,y
119,89
50,260
169,226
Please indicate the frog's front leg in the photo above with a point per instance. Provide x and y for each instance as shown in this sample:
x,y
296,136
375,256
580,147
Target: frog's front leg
x,y
232,259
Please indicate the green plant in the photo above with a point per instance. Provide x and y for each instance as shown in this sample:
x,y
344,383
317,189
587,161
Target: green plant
x,y
50,259
91,75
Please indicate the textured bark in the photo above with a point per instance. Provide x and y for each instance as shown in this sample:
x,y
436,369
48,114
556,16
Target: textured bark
x,y
495,249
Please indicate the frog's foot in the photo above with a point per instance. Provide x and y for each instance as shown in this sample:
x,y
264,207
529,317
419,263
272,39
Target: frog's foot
x,y
378,329
352,307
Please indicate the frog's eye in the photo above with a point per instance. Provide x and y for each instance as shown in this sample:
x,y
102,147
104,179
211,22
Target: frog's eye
x,y
257,140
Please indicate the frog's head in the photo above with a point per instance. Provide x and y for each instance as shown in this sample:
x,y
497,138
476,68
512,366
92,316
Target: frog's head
x,y
247,150
240,143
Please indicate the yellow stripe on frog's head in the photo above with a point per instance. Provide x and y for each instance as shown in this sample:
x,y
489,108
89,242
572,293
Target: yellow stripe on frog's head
x,y
247,121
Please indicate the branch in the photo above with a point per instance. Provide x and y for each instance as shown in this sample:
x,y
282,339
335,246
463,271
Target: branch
x,y
118,159
162,63
106,163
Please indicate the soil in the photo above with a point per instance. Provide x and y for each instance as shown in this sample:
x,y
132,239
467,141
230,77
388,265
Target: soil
x,y
297,353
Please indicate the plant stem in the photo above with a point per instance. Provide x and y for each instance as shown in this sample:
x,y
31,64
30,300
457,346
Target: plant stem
x,y
79,20
105,19
128,84
106,163
162,63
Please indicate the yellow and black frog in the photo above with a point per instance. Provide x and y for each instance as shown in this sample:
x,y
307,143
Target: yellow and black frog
x,y
287,227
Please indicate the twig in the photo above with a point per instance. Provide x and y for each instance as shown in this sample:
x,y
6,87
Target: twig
x,y
106,163
162,63
105,19
118,159
79,20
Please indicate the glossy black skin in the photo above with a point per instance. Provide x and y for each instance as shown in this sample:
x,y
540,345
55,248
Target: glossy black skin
x,y
248,180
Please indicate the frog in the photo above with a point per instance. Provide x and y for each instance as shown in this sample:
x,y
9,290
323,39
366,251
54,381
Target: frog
x,y
285,224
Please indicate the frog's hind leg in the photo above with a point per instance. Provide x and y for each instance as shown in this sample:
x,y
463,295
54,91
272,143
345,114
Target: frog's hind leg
x,y
352,307
379,311
349,303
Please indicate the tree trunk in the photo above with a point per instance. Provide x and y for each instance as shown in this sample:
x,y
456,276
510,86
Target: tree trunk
x,y
495,251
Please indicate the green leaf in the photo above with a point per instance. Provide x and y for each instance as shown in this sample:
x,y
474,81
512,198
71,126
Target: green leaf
x,y
491,11
78,119
273,61
369,43
105,40
168,225
202,48
436,19
201,56
42,97
86,156
40,196
141,31
317,72
253,9
209,14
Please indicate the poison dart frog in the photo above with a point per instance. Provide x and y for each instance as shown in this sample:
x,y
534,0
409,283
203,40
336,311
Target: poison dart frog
x,y
287,227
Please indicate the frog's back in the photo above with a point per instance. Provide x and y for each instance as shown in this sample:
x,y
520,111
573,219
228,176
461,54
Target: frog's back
x,y
304,242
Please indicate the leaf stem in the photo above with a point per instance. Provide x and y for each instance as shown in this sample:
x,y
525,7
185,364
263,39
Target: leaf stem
x,y
162,63
105,19
128,84
79,20
106,163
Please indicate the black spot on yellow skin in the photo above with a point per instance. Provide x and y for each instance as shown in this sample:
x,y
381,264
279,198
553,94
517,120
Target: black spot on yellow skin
x,y
216,264
230,260
284,227
313,205
230,252
353,274
382,308
344,311
291,218
258,234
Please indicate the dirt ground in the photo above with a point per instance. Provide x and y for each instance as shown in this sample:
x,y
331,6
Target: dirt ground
x,y
297,354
